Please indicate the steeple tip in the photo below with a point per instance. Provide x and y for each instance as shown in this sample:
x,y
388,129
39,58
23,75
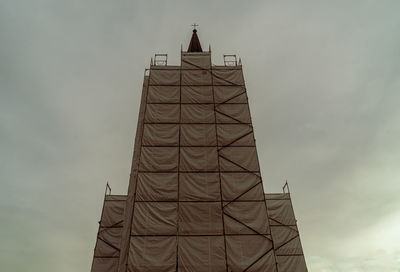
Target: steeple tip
x,y
194,45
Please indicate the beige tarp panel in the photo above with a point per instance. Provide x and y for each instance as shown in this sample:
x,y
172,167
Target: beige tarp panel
x,y
115,197
113,213
281,211
198,159
292,246
157,186
201,254
198,135
227,67
164,67
161,134
285,234
266,263
235,134
196,60
251,215
197,94
199,186
105,265
164,77
202,218
233,113
291,263
194,145
238,99
228,77
154,218
162,113
271,196
241,186
237,158
149,254
163,94
244,250
128,213
159,158
103,249
230,94
196,77
110,236
203,113
107,250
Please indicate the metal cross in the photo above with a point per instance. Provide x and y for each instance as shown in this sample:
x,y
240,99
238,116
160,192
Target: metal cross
x,y
194,25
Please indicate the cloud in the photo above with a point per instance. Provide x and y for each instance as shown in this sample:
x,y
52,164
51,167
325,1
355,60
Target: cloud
x,y
322,79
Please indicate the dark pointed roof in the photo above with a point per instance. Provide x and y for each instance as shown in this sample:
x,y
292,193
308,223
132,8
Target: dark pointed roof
x,y
194,45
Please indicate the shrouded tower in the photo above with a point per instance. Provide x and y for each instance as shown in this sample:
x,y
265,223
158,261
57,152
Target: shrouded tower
x,y
196,200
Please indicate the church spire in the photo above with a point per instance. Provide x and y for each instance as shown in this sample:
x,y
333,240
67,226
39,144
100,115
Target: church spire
x,y
195,45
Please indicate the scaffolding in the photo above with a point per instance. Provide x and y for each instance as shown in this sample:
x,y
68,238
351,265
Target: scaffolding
x,y
196,200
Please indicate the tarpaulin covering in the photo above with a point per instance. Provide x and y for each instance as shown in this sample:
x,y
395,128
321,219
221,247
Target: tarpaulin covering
x,y
203,113
152,218
200,218
198,159
162,113
161,134
241,186
164,76
197,94
239,158
159,158
235,135
201,254
287,245
196,200
196,60
196,77
157,186
244,251
231,94
228,75
151,253
246,217
233,113
199,187
163,94
107,249
197,190
198,134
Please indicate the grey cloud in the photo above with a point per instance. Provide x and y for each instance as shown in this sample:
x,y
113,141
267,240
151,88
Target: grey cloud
x,y
322,78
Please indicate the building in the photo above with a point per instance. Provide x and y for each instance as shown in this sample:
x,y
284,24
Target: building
x,y
196,200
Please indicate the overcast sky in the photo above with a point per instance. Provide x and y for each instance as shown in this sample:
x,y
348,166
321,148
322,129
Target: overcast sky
x,y
324,91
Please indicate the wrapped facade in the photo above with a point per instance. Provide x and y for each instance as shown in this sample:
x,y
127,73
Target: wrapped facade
x,y
196,200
